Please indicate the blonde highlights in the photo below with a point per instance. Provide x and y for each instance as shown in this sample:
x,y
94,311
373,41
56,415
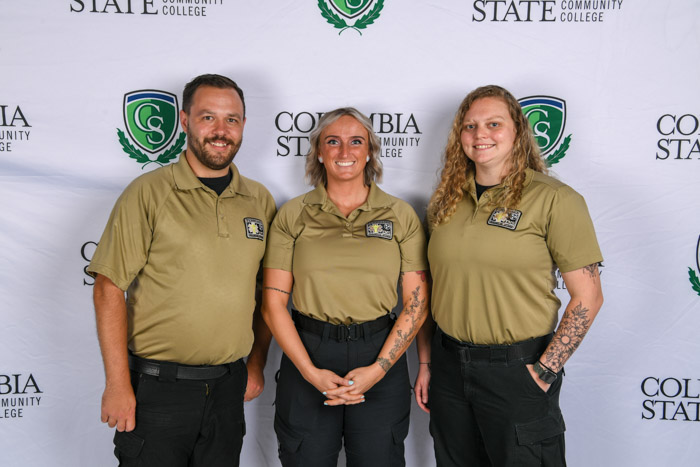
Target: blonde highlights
x,y
316,172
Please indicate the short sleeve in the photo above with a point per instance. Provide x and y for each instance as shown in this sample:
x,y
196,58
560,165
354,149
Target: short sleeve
x,y
413,244
571,237
123,248
279,251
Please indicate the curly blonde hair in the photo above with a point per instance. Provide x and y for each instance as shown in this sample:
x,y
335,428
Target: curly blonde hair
x,y
316,171
458,167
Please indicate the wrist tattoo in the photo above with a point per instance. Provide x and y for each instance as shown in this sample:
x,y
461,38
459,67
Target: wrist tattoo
x,y
277,290
384,363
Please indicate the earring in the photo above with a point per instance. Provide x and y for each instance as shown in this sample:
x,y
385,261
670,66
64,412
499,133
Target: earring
x,y
367,160
320,160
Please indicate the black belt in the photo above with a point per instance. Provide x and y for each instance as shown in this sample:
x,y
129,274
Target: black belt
x,y
341,332
497,353
178,371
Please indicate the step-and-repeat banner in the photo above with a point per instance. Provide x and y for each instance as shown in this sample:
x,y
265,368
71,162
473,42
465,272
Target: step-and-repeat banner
x,y
612,90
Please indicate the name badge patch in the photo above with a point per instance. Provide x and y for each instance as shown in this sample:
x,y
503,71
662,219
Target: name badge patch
x,y
254,228
506,218
381,229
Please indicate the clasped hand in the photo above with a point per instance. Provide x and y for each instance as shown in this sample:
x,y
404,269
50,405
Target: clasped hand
x,y
348,390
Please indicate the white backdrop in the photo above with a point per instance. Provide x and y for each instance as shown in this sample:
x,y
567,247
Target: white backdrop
x,y
627,70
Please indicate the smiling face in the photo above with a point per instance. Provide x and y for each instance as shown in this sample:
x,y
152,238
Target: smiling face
x,y
214,126
488,134
344,146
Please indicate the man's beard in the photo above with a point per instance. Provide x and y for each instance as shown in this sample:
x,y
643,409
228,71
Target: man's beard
x,y
209,160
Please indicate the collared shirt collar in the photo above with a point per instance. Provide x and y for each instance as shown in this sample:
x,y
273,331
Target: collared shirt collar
x,y
185,179
470,184
376,198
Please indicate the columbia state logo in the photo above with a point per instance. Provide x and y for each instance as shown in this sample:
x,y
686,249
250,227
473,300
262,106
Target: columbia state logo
x,y
547,117
254,228
350,14
380,229
151,120
506,218
694,280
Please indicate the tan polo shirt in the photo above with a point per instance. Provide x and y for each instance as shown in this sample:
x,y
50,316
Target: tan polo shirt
x,y
188,260
346,270
493,272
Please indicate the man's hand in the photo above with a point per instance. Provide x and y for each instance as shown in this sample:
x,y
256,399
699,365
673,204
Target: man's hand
x,y
421,387
256,382
119,407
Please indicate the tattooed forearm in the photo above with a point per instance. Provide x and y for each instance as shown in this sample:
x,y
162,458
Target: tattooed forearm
x,y
572,329
412,314
423,275
384,363
591,270
276,290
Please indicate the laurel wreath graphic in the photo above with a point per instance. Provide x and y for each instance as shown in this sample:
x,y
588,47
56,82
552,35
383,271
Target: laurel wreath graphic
x,y
694,280
339,23
559,154
142,158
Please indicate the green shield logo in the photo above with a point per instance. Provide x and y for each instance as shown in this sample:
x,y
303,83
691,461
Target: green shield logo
x,y
547,117
351,8
692,274
151,118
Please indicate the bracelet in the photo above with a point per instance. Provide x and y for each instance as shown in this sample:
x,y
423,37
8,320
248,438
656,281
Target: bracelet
x,y
546,367
424,363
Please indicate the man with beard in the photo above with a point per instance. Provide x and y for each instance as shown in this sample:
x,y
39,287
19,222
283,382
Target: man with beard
x,y
185,243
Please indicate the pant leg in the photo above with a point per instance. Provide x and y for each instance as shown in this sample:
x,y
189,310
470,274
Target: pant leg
x,y
309,434
457,438
168,416
375,430
521,424
223,423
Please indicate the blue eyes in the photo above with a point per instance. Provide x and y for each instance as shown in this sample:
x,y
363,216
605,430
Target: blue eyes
x,y
335,142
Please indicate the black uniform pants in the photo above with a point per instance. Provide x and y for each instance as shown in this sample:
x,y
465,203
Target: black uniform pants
x,y
311,434
185,423
490,412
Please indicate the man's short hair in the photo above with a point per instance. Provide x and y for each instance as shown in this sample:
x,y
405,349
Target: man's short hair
x,y
215,81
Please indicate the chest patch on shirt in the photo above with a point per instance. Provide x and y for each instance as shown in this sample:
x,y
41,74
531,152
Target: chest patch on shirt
x,y
506,218
254,228
381,229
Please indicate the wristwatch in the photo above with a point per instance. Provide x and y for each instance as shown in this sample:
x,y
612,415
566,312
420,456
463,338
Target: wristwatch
x,y
544,373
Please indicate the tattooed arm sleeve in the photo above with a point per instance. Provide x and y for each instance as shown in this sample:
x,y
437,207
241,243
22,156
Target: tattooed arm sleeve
x,y
586,299
415,308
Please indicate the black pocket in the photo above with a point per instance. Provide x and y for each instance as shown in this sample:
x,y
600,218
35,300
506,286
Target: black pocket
x,y
539,430
400,430
288,443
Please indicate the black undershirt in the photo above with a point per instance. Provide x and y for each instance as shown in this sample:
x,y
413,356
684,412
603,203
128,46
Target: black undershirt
x,y
481,188
218,184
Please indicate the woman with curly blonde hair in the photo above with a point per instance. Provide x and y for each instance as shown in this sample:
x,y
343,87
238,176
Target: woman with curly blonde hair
x,y
491,371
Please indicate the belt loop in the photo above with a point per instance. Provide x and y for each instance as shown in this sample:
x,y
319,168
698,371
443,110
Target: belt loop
x,y
326,333
365,330
168,372
499,356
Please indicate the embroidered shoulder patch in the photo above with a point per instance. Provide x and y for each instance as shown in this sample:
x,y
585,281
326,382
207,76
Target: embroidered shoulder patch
x,y
381,229
254,228
506,218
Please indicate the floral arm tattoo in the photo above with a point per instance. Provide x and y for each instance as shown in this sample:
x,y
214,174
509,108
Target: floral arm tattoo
x,y
573,327
406,327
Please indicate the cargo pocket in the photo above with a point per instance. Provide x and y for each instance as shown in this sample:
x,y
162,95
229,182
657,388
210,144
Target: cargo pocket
x,y
539,430
399,432
288,444
127,447
541,440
